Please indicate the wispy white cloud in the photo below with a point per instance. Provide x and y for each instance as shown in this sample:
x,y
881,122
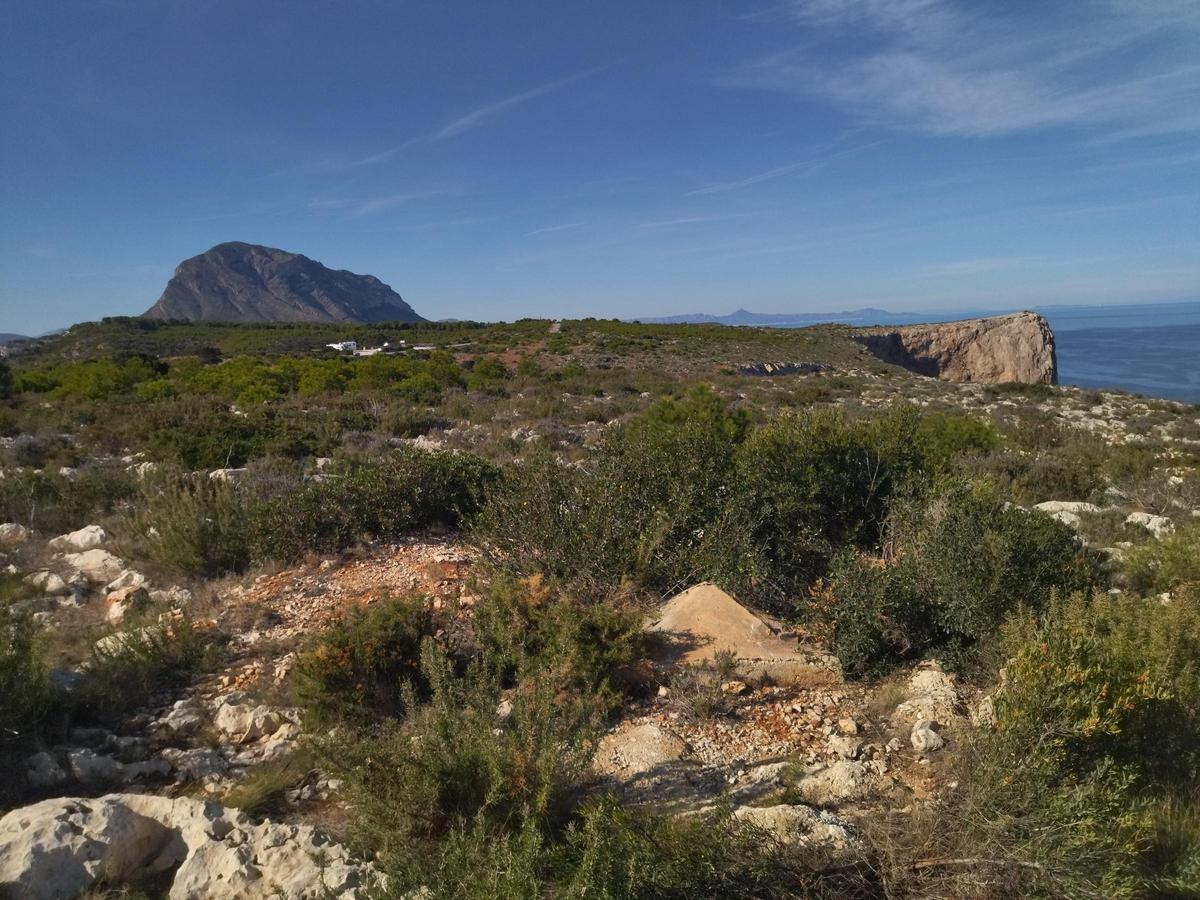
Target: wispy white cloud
x,y
808,164
475,118
363,206
693,220
552,229
945,67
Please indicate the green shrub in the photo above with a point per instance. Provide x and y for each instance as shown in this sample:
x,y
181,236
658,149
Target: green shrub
x,y
26,698
945,437
1166,564
122,673
194,525
1087,774
405,493
963,561
638,509
805,486
359,665
53,504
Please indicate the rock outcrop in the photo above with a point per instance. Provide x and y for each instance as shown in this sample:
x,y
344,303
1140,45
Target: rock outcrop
x,y
236,282
197,850
1019,348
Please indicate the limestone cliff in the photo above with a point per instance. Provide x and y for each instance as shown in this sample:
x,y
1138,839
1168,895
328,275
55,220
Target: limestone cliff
x,y
1018,347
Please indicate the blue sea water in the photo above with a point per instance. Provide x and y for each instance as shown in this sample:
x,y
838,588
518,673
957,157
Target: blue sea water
x,y
1151,349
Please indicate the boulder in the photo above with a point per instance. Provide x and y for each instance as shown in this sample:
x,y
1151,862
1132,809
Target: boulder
x,y
89,767
227,475
96,566
924,738
42,771
87,538
128,578
238,717
48,583
120,603
704,621
1159,526
12,535
59,848
1066,511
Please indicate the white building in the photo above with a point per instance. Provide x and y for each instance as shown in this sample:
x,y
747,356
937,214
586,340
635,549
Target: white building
x,y
344,346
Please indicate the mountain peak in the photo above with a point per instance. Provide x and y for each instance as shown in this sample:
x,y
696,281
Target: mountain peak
x,y
240,282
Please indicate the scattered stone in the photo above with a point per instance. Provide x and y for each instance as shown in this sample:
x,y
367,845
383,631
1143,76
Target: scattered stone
x,y
88,538
1159,526
238,717
839,782
846,725
924,738
89,767
42,771
845,746
48,583
798,825
637,750
932,695
198,764
58,849
12,535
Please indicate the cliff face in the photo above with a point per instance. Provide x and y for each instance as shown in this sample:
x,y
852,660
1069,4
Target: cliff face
x,y
238,282
1019,347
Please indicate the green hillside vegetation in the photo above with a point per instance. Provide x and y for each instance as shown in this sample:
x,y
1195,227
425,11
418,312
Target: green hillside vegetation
x,y
598,470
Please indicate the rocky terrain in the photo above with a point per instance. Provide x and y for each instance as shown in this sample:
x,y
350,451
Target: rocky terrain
x,y
1018,348
185,599
238,282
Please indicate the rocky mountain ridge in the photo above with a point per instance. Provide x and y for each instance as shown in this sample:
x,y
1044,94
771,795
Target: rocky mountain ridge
x,y
239,282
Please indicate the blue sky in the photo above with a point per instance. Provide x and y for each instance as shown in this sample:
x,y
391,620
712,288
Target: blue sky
x,y
496,160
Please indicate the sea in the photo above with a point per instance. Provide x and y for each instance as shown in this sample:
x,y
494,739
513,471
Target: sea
x,y
1151,349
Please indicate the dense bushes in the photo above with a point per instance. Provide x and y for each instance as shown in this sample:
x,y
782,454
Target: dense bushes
x,y
360,665
1087,776
686,492
404,493
203,526
194,525
25,694
637,509
1167,564
806,485
960,561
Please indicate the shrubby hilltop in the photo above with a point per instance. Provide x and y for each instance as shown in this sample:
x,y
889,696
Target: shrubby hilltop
x,y
592,609
238,282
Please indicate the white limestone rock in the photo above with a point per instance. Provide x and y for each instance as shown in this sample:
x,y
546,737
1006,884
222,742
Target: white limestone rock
x,y
87,538
59,848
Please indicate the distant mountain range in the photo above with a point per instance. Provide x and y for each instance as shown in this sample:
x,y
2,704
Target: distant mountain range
x,y
864,316
237,282
6,338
